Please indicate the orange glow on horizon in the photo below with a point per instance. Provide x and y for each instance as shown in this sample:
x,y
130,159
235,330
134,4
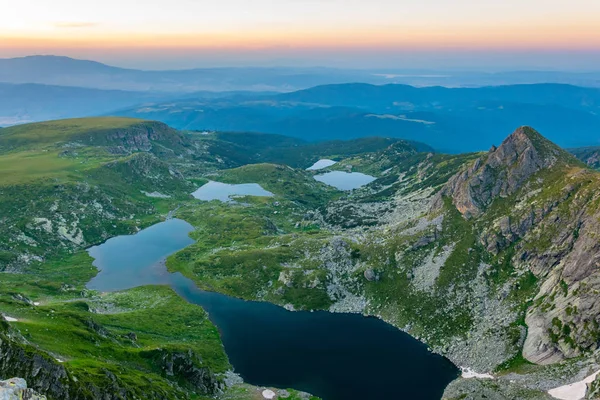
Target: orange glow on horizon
x,y
119,26
567,36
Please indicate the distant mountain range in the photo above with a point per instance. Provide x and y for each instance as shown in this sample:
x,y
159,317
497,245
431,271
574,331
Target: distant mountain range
x,y
229,99
454,120
65,71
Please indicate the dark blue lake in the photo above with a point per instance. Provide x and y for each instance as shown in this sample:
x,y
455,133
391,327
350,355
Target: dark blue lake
x,y
333,356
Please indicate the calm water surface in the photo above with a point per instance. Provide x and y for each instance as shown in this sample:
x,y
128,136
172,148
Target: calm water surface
x,y
345,180
334,356
225,191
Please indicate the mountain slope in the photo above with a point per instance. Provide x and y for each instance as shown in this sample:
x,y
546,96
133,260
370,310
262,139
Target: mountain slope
x,y
77,169
588,155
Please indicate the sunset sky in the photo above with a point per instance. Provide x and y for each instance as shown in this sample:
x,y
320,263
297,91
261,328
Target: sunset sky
x,y
153,34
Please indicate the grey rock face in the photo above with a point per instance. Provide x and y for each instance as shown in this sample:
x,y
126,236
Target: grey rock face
x,y
499,173
565,321
370,275
187,367
44,375
16,389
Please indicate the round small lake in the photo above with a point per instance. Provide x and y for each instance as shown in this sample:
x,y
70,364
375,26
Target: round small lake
x,y
334,356
225,191
345,180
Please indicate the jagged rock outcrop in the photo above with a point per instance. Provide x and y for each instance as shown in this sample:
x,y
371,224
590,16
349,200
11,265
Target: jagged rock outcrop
x,y
146,136
49,376
186,367
16,389
44,374
501,172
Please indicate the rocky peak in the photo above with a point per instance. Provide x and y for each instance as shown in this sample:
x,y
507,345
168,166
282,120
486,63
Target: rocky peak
x,y
501,171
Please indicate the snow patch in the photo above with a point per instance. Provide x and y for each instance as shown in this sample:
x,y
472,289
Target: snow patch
x,y
574,391
10,319
468,373
268,394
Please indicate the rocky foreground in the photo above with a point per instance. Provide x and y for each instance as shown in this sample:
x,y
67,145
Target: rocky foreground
x,y
16,389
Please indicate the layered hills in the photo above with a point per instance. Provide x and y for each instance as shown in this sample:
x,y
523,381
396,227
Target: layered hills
x,y
448,119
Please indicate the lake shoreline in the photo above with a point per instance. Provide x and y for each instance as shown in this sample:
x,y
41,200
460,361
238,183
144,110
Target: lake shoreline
x,y
214,303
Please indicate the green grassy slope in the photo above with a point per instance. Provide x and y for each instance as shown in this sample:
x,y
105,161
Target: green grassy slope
x,y
70,184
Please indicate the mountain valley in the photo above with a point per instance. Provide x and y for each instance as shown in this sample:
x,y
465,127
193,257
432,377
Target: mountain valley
x,y
489,258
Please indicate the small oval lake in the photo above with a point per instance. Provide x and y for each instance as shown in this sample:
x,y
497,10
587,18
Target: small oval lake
x,y
334,356
321,164
226,191
345,180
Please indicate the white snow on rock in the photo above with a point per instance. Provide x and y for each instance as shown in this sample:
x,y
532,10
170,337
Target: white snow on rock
x,y
468,373
574,391
10,319
268,394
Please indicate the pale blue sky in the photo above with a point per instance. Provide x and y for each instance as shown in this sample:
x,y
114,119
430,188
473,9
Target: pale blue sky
x,y
327,32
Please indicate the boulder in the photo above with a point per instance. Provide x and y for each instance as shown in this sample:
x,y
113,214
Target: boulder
x,y
16,389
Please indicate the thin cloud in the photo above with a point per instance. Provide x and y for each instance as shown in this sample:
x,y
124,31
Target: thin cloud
x,y
71,25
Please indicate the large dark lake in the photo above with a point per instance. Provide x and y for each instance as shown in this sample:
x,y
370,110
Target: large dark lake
x,y
333,356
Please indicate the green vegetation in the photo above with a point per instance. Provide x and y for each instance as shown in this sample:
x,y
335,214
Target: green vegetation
x,y
243,247
53,132
61,191
398,248
76,183
238,149
108,334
